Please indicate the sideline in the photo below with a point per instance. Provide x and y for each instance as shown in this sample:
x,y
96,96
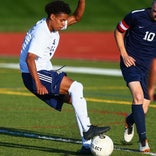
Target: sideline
x,y
82,70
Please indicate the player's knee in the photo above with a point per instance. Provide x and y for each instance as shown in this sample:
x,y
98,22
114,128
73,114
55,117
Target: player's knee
x,y
79,85
138,99
76,87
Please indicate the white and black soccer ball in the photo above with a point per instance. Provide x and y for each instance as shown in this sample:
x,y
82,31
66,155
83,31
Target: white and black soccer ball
x,y
102,145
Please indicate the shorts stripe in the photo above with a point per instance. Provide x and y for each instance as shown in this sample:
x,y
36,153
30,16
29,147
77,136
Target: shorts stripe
x,y
45,78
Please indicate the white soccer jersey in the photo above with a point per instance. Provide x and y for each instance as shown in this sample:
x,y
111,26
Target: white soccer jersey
x,y
41,42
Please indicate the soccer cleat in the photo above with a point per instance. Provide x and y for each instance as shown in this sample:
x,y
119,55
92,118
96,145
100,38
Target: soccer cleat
x,y
94,131
128,133
144,147
84,150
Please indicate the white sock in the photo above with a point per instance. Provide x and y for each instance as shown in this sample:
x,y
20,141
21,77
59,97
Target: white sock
x,y
85,143
79,104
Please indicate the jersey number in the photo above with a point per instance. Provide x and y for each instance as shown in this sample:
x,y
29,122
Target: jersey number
x,y
149,36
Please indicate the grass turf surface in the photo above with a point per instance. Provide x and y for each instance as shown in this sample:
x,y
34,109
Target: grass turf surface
x,y
108,102
100,15
108,98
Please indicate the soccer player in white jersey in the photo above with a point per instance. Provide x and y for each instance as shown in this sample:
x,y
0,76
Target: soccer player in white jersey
x,y
55,87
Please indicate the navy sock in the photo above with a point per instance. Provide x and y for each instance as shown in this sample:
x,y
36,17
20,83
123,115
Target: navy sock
x,y
139,118
130,119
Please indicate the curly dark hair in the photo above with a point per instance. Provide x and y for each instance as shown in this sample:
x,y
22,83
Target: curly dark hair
x,y
57,7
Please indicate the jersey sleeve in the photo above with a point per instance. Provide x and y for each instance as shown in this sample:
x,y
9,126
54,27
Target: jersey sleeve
x,y
37,44
126,23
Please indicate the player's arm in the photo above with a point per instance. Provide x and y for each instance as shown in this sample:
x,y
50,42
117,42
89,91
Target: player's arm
x,y
119,37
33,71
77,15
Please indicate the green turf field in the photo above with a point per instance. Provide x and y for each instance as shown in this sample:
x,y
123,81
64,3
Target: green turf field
x,y
24,116
100,15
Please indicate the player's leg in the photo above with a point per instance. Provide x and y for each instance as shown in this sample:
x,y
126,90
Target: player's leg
x,y
137,82
138,114
152,80
75,90
85,149
86,144
59,90
146,104
128,75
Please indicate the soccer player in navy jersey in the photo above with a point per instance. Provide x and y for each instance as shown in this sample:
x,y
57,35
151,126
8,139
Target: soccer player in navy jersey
x,y
135,37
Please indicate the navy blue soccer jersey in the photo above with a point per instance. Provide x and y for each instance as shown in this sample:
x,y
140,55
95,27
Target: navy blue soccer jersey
x,y
140,36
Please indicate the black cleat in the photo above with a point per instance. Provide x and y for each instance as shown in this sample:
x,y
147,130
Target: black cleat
x,y
84,151
94,131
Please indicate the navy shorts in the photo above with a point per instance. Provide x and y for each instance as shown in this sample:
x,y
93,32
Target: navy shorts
x,y
51,80
134,73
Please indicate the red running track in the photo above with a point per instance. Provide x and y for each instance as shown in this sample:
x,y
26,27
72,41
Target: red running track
x,y
73,45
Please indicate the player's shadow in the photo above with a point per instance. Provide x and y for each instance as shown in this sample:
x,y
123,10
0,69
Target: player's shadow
x,y
38,148
36,135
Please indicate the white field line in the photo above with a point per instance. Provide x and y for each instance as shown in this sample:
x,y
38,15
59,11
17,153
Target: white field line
x,y
82,70
133,151
59,139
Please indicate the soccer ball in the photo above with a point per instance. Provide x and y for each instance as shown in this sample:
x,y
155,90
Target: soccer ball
x,y
102,145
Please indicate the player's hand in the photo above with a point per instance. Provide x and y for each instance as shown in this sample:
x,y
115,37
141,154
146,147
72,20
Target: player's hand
x,y
41,90
129,61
